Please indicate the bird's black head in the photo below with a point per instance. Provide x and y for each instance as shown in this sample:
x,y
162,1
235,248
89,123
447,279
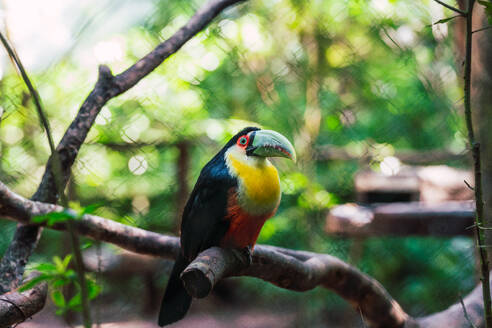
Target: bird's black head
x,y
252,141
243,132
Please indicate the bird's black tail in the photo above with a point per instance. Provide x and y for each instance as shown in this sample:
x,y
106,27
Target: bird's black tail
x,y
176,300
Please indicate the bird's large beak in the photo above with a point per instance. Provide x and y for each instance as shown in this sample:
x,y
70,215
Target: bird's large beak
x,y
268,143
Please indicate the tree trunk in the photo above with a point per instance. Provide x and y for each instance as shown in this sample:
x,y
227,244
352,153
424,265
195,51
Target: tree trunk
x,y
481,97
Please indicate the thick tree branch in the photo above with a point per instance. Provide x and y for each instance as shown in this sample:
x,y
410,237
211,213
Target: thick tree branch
x,y
295,270
20,209
299,271
17,307
285,268
16,256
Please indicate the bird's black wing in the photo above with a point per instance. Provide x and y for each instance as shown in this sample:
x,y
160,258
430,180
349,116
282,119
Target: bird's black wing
x,y
203,224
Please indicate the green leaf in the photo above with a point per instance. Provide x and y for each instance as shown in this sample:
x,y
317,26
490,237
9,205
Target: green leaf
x,y
90,209
55,217
93,289
488,9
445,20
67,260
58,298
33,282
487,4
74,301
59,264
70,274
61,311
45,268
62,281
86,245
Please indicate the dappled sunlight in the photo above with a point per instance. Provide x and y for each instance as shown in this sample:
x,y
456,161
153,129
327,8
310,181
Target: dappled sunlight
x,y
390,165
368,92
137,165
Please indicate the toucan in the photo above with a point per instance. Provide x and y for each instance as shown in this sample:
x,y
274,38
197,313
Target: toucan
x,y
236,192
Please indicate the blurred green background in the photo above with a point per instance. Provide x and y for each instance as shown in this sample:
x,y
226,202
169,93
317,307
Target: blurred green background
x,y
354,74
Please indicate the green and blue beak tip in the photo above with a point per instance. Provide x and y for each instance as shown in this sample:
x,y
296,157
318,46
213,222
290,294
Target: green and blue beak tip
x,y
269,143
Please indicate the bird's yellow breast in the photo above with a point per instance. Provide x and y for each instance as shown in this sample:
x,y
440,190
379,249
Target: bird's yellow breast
x,y
259,182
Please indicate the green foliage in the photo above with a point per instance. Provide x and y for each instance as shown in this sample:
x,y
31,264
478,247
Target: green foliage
x,y
488,9
58,275
55,217
380,75
76,212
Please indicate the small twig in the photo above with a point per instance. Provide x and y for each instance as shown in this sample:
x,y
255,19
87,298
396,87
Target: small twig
x,y
362,318
484,228
468,185
456,10
32,90
465,312
482,29
479,227
392,40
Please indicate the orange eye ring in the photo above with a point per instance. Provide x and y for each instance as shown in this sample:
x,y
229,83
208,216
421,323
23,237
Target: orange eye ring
x,y
243,141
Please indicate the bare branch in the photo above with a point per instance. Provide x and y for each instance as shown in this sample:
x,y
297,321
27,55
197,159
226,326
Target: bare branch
x,y
286,271
456,10
17,307
209,267
31,88
285,268
20,209
296,270
482,29
465,313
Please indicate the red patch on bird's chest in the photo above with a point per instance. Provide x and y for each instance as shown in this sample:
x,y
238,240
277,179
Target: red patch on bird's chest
x,y
244,228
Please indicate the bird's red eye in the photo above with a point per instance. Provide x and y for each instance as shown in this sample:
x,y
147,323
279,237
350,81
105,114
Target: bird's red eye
x,y
243,141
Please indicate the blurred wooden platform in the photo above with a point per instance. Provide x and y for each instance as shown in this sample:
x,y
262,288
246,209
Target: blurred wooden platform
x,y
454,218
430,184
